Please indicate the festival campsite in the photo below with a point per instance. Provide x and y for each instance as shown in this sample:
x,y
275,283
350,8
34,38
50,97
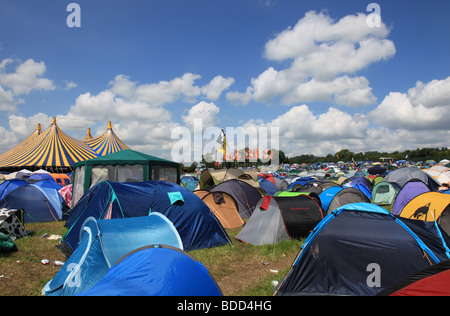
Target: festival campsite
x,y
128,225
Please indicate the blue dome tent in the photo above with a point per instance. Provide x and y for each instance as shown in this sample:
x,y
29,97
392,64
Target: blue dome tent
x,y
103,243
196,224
40,203
156,271
10,185
268,186
336,256
327,196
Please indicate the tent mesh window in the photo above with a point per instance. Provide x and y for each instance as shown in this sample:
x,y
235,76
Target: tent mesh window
x,y
164,173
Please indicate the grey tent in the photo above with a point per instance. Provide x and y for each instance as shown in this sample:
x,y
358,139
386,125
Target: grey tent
x,y
403,175
243,193
346,196
281,218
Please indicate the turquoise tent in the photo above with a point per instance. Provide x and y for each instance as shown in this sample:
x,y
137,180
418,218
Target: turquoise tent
x,y
103,243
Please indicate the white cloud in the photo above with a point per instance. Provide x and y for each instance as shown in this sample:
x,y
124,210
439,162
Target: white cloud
x,y
216,86
343,90
107,106
165,92
436,93
317,31
424,107
303,132
204,111
121,85
137,110
70,85
22,126
27,77
324,54
7,101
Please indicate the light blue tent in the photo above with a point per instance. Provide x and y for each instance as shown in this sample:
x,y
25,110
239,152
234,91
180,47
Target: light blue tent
x,y
156,271
103,243
327,196
189,182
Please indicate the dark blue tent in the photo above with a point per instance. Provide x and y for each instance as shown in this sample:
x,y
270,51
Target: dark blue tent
x,y
40,204
357,240
196,224
300,182
156,271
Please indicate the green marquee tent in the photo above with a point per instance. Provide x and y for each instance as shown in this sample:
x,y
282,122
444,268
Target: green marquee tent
x,y
123,166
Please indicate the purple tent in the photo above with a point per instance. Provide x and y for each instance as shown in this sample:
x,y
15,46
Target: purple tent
x,y
410,190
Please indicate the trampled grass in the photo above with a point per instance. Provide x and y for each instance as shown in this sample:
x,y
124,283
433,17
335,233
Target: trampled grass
x,y
238,268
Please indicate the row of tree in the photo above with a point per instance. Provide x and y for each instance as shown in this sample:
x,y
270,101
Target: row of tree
x,y
420,154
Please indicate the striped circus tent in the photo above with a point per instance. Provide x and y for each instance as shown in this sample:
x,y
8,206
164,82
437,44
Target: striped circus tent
x,y
107,143
88,135
33,135
52,150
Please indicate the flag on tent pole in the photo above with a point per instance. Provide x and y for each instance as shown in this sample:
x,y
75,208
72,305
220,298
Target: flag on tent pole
x,y
222,140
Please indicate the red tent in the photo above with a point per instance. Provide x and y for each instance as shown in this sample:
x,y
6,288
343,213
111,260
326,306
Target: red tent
x,y
432,281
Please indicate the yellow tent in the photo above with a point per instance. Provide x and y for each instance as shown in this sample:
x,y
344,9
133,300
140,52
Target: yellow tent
x,y
52,150
429,206
107,143
35,134
88,135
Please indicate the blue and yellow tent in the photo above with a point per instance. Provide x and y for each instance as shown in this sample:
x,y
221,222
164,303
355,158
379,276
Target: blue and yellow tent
x,y
33,135
51,150
107,143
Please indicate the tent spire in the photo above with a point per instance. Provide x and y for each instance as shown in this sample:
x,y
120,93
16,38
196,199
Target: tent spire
x,y
109,125
39,128
54,120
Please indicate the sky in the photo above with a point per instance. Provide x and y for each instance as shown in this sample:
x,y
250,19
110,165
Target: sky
x,y
327,74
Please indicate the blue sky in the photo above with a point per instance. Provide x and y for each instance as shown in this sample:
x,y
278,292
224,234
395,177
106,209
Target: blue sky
x,y
314,69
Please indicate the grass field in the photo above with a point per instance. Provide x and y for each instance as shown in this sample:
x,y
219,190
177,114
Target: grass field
x,y
239,269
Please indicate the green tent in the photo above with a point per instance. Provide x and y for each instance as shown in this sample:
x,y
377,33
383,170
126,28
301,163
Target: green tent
x,y
384,193
6,244
123,166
